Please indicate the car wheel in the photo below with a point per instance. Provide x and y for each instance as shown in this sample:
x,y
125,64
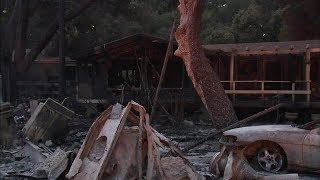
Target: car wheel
x,y
270,159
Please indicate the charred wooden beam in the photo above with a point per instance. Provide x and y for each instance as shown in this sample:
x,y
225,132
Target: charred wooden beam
x,y
62,49
235,125
164,68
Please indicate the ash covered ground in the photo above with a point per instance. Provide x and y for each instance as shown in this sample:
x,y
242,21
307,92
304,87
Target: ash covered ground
x,y
16,162
187,133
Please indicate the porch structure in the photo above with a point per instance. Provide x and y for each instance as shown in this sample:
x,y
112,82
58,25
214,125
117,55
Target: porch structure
x,y
259,74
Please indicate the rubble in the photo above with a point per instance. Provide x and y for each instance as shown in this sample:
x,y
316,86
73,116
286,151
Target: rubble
x,y
21,161
111,151
47,115
7,129
132,149
176,168
53,166
236,166
49,143
33,105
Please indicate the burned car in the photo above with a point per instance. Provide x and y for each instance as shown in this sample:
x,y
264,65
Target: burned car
x,y
274,148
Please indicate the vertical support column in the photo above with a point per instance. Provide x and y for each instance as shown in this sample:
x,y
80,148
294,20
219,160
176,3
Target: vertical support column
x,y
164,68
231,69
293,97
77,79
122,94
231,76
1,99
318,78
307,74
263,70
62,49
182,100
262,90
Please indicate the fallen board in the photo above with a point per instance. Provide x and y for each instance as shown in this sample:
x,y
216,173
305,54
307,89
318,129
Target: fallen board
x,y
95,152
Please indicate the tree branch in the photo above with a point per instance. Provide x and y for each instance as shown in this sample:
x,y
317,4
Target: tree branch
x,y
32,55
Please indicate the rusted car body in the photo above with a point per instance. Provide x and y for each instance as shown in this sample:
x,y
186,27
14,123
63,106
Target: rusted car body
x,y
277,147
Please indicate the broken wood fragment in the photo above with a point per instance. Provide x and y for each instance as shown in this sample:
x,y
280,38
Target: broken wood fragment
x,y
87,145
164,69
6,125
95,153
112,151
176,168
47,115
53,166
124,161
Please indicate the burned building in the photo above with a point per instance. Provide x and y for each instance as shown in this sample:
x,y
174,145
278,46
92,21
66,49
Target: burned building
x,y
253,74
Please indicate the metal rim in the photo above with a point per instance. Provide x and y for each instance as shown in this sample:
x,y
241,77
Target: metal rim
x,y
270,160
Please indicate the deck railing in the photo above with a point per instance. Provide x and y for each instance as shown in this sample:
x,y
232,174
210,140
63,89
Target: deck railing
x,y
292,89
263,88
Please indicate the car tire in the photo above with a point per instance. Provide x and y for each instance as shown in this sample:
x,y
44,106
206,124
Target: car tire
x,y
269,157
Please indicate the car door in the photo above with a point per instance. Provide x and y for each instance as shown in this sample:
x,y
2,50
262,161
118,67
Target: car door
x,y
311,149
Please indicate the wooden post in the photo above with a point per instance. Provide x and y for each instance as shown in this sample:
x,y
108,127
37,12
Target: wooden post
x,y
318,68
307,74
233,89
182,93
263,70
122,94
1,97
78,66
145,79
62,49
232,85
262,89
293,98
231,69
164,68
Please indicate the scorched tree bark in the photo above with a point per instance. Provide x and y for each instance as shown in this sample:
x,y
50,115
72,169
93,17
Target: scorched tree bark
x,y
201,73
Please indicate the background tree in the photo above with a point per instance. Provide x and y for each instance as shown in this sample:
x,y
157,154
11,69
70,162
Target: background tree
x,y
223,21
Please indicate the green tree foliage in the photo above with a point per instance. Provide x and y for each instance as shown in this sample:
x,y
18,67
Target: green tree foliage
x,y
224,21
113,19
231,21
259,22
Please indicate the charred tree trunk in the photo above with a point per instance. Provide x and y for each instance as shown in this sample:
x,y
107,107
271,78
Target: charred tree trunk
x,y
7,45
201,73
21,34
20,45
